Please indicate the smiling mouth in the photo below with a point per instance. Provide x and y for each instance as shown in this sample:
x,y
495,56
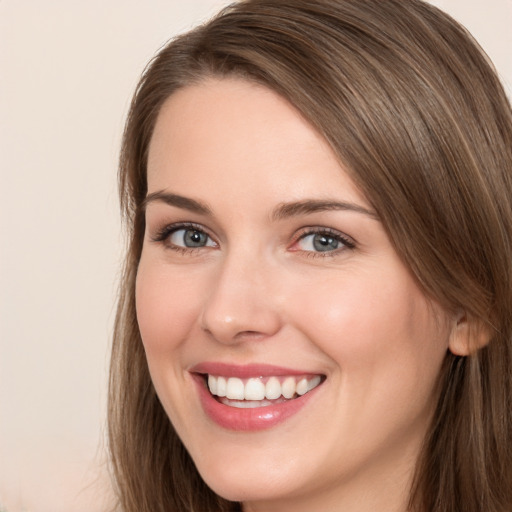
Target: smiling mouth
x,y
260,391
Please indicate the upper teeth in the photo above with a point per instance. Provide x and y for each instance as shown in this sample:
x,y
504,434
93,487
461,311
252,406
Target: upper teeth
x,y
256,389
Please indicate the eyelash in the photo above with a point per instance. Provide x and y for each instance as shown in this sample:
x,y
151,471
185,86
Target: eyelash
x,y
346,242
162,236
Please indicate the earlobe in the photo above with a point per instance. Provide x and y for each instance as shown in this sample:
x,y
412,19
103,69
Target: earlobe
x,y
468,335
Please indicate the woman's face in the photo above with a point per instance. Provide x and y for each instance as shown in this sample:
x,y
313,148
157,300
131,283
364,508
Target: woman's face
x,y
265,271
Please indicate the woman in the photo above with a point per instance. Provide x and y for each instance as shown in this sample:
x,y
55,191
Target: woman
x,y
314,313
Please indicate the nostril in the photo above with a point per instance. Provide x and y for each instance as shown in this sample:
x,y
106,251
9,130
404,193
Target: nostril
x,y
250,336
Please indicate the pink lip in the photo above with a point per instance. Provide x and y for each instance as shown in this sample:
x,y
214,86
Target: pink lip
x,y
258,418
245,371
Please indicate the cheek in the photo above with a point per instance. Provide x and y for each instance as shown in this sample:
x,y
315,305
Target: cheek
x,y
167,305
387,350
374,328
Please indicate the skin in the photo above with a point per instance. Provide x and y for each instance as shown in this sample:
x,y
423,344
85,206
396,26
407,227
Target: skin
x,y
259,292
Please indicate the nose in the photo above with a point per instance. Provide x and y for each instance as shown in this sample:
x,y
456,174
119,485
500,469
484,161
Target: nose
x,y
242,303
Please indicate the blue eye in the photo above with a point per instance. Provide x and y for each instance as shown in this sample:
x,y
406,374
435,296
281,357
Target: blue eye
x,y
323,241
183,237
190,238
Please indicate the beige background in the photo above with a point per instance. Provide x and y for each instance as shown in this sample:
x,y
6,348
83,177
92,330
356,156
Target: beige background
x,y
67,71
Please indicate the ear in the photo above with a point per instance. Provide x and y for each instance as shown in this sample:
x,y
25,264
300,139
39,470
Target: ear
x,y
468,335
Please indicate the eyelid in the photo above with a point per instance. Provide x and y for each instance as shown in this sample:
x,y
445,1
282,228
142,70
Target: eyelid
x,y
162,234
346,241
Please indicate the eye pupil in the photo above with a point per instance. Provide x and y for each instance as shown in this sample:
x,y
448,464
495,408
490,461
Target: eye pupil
x,y
325,243
193,238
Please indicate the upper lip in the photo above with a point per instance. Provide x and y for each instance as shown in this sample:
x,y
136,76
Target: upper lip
x,y
246,371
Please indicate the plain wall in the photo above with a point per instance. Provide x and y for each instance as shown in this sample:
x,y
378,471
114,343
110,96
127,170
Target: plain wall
x,y
67,72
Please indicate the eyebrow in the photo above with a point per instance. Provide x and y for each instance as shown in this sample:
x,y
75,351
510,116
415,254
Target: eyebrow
x,y
178,201
310,206
283,211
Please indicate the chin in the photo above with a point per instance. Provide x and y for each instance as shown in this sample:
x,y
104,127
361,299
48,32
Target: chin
x,y
253,483
244,491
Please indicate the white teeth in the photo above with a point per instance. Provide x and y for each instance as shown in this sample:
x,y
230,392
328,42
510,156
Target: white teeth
x,y
212,385
313,383
302,387
235,389
246,404
273,388
254,390
288,387
221,386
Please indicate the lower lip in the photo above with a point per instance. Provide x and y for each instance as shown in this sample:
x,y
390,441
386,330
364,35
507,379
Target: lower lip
x,y
257,418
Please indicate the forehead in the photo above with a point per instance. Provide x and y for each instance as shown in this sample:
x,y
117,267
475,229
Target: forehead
x,y
241,137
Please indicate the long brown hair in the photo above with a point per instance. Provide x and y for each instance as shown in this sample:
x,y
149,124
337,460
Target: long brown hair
x,y
416,113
